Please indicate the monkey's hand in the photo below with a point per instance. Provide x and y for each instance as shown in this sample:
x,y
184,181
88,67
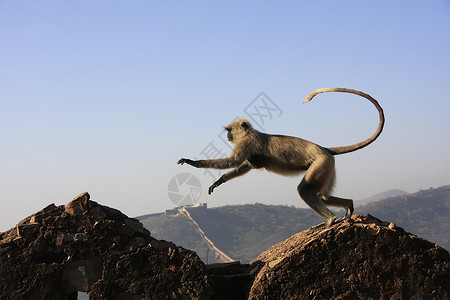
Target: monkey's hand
x,y
191,162
214,185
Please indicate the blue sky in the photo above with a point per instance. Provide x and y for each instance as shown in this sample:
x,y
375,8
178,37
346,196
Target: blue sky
x,y
106,96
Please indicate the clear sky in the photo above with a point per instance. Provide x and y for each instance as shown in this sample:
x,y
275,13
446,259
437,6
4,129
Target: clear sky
x,y
106,96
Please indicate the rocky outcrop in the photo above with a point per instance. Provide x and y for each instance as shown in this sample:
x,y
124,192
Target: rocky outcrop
x,y
362,258
91,248
86,247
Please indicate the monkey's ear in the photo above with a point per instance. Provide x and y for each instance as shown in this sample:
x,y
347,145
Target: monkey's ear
x,y
245,125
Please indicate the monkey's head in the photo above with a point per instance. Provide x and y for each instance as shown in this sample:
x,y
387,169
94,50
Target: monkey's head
x,y
237,130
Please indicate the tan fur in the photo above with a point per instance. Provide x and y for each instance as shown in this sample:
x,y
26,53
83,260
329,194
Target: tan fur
x,y
288,155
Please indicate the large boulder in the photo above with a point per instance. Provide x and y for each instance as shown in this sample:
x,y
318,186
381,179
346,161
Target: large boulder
x,y
361,258
86,247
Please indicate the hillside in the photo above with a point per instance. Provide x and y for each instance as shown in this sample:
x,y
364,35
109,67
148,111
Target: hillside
x,y
244,231
241,231
381,196
425,213
178,229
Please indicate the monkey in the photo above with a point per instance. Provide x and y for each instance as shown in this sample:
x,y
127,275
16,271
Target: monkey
x,y
289,155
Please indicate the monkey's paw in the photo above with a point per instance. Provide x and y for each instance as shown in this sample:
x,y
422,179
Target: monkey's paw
x,y
184,161
187,161
211,189
214,185
330,222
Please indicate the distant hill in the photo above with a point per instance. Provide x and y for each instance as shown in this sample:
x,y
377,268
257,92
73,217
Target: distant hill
x,y
425,213
244,231
241,231
381,196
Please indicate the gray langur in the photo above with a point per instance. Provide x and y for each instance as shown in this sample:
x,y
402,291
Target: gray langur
x,y
288,155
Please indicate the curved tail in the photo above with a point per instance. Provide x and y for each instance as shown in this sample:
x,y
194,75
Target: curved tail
x,y
354,147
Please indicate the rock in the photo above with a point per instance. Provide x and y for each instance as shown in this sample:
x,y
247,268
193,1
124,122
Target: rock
x,y
161,245
98,213
25,230
361,258
79,204
47,211
65,238
232,280
81,274
86,247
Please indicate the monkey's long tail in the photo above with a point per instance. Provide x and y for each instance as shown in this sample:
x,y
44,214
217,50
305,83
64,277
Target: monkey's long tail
x,y
354,147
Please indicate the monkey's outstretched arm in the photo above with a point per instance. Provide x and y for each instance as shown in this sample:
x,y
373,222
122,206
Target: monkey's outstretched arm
x,y
236,159
221,163
241,170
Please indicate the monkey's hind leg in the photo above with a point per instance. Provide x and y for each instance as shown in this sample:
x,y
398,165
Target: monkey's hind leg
x,y
339,202
310,197
318,178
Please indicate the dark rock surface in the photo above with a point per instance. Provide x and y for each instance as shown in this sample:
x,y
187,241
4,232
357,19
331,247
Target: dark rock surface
x,y
362,258
87,247
232,280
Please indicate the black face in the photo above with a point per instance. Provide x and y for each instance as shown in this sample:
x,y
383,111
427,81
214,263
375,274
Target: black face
x,y
229,134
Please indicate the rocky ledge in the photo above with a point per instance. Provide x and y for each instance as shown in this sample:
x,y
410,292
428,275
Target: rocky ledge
x,y
87,247
360,258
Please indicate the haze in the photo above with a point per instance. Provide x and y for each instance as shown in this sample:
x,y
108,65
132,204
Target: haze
x,y
106,96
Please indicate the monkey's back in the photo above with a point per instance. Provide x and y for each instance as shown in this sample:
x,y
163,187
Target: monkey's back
x,y
291,155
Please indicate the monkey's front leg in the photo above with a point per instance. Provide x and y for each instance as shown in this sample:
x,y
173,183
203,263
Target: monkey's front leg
x,y
221,163
241,170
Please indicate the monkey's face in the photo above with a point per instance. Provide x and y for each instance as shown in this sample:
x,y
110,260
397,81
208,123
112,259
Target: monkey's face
x,y
237,130
229,135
